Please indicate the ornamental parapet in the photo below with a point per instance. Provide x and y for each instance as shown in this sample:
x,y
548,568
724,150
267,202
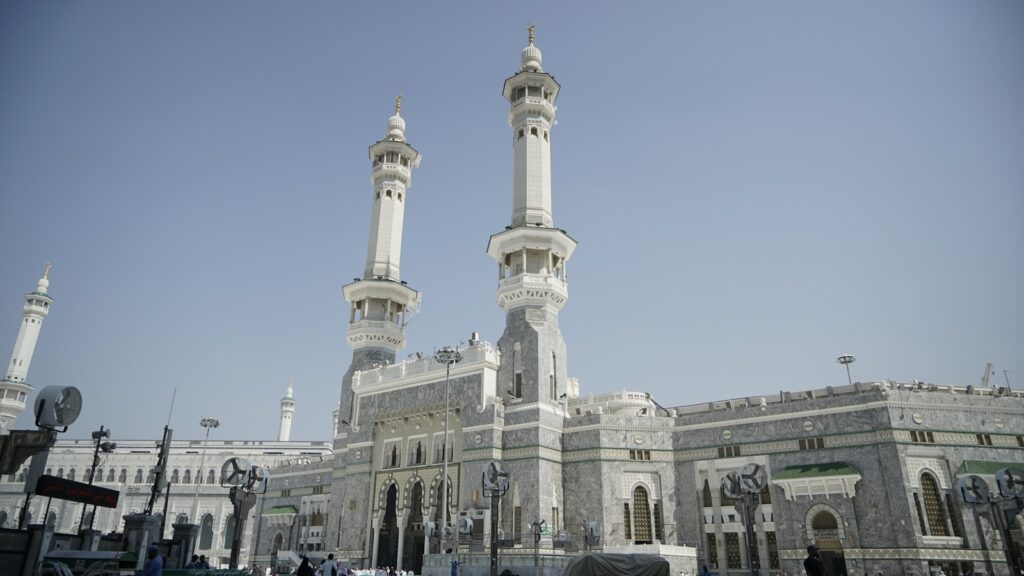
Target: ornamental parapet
x,y
426,366
376,333
532,290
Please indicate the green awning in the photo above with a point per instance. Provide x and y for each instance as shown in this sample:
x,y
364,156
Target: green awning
x,y
280,511
824,469
985,466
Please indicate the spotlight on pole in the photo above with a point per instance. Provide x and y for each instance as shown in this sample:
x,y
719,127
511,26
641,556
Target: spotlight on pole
x,y
846,360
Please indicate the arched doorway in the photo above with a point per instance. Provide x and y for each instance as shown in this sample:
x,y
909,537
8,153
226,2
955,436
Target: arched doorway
x,y
412,557
275,547
387,550
825,528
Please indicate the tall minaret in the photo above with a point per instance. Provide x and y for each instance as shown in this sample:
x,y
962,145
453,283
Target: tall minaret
x,y
380,302
531,256
14,387
287,411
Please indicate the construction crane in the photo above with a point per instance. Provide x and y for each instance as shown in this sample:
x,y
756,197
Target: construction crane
x,y
988,372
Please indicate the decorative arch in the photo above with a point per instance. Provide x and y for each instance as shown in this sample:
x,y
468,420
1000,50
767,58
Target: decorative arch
x,y
813,512
435,489
407,491
382,493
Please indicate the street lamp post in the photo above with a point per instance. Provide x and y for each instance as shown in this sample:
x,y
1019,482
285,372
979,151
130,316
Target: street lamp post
x,y
446,356
538,529
846,360
106,447
207,423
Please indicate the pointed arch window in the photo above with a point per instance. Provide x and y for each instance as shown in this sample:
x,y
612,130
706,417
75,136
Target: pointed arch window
x,y
206,533
517,368
554,378
933,506
229,531
706,494
641,516
138,476
187,477
211,478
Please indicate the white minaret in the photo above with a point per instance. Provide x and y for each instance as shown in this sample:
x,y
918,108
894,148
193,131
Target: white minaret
x,y
380,301
287,411
14,388
532,288
531,253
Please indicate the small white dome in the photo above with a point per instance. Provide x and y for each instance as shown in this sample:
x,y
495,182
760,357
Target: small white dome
x,y
531,58
396,128
43,284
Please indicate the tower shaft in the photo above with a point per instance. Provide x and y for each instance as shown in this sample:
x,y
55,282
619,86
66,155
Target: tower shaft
x,y
14,387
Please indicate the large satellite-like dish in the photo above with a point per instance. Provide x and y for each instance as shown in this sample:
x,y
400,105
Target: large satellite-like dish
x,y
973,489
235,472
1010,482
731,486
494,477
753,478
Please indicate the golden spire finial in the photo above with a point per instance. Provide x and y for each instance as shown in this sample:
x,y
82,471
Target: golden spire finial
x,y
46,272
398,104
531,27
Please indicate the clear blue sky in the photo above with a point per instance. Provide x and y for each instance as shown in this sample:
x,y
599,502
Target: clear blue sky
x,y
756,188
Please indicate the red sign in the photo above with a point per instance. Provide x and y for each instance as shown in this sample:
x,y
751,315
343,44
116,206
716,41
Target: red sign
x,y
76,491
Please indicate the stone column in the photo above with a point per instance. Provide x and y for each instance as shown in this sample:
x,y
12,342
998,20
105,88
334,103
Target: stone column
x,y
401,541
376,542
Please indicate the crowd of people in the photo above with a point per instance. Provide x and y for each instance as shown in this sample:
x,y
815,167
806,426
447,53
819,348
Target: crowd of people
x,y
331,567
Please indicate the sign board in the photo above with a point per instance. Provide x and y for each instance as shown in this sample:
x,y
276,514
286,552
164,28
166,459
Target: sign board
x,y
63,489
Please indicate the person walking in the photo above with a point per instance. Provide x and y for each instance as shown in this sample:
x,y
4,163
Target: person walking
x,y
304,568
155,563
812,564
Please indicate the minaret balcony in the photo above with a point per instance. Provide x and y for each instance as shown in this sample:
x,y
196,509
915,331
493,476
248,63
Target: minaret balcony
x,y
532,105
390,169
537,290
376,334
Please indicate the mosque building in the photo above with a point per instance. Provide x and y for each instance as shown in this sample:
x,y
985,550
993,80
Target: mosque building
x,y
866,472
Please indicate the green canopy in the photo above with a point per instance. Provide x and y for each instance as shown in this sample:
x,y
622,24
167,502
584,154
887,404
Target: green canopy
x,y
820,470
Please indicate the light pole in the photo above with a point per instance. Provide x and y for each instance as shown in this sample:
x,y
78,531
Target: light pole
x,y
106,447
538,529
446,356
207,423
846,360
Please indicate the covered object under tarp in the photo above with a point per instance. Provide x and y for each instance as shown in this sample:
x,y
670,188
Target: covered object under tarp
x,y
595,564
